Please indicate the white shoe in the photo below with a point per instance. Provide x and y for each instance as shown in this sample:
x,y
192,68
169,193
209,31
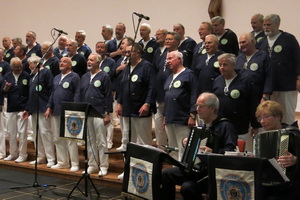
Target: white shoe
x,y
50,164
74,169
121,176
121,148
30,138
10,157
58,166
109,145
21,159
102,172
39,161
91,170
80,143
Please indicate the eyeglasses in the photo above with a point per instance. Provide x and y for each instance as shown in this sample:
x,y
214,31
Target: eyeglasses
x,y
263,117
200,106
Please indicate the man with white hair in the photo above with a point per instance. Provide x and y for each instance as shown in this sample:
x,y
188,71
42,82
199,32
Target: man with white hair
x,y
16,41
40,88
66,86
8,49
238,99
113,49
148,44
83,48
257,26
61,51
16,86
107,33
95,88
79,63
283,50
228,41
50,60
33,48
180,99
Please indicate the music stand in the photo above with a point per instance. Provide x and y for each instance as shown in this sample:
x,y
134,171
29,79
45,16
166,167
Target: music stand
x,y
75,127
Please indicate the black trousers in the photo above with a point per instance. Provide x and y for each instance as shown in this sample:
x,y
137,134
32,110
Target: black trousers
x,y
191,187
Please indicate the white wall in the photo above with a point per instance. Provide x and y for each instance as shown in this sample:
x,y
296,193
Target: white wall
x,y
20,16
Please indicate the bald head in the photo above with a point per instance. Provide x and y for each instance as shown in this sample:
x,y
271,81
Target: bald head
x,y
247,44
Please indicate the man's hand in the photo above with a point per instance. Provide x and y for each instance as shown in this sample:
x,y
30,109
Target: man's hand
x,y
25,115
6,86
119,110
144,110
48,113
106,119
205,149
191,122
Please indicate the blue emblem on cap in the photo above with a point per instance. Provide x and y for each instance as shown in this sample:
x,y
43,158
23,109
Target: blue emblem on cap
x,y
140,178
233,186
74,124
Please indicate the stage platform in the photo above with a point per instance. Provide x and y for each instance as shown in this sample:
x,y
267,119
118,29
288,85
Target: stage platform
x,y
116,165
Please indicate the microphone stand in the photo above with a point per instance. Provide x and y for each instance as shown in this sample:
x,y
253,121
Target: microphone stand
x,y
35,182
129,74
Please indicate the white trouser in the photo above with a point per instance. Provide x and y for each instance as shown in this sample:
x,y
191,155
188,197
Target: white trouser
x,y
110,130
288,101
176,133
140,129
65,148
2,136
97,142
17,125
160,133
45,137
29,127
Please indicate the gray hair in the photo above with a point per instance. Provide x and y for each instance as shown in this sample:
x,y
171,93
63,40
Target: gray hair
x,y
13,60
34,59
97,56
274,18
231,58
74,42
211,100
18,39
33,34
147,26
259,16
176,36
109,28
219,19
82,32
179,55
48,44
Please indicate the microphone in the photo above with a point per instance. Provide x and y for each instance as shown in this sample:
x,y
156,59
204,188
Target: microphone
x,y
141,16
170,148
125,60
60,31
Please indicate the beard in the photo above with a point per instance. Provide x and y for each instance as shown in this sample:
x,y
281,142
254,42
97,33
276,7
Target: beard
x,y
268,33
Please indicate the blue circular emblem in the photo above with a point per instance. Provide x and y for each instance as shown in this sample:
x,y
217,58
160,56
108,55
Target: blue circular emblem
x,y
74,124
140,178
233,186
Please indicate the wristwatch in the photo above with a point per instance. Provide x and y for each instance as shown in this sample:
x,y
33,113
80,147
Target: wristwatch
x,y
147,104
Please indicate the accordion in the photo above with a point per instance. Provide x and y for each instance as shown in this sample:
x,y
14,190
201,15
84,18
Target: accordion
x,y
271,144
